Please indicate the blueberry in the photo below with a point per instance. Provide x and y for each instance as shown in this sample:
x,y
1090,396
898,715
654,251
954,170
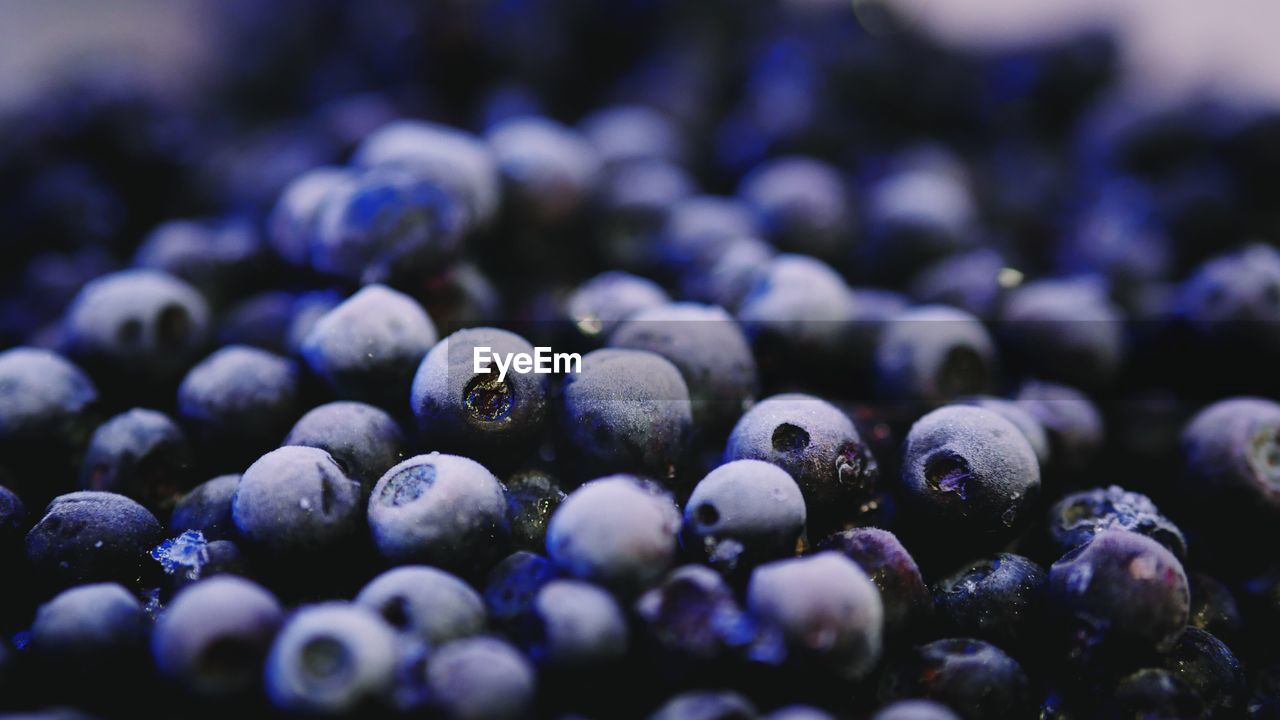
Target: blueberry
x,y
798,712
632,206
387,222
480,679
141,325
207,508
45,406
261,321
532,498
308,308
744,512
916,215
728,279
709,350
974,281
1012,411
627,133
614,531
89,628
1211,670
1076,518
363,440
214,635
1064,330
1235,297
331,659
1072,421
444,510
140,453
512,584
296,499
92,537
443,154
237,403
915,710
597,306
368,347
706,705
825,609
817,445
223,259
1213,607
1152,693
549,169
691,617
576,625
462,296
497,421
697,229
291,226
627,410
907,603
972,470
13,519
803,205
1231,451
999,599
426,602
931,355
973,678
1121,586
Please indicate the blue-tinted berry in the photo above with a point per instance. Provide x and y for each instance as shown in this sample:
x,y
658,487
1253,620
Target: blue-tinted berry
x,y
597,306
1211,670
532,498
706,705
825,609
1235,296
692,618
363,440
443,510
213,636
971,281
973,678
207,508
1077,518
425,602
802,204
1153,693
89,627
709,350
616,532
13,519
549,169
1065,330
219,557
1213,607
916,215
742,513
697,229
1232,454
626,133
1071,420
331,659
45,411
731,276
481,679
497,421
387,222
291,226
261,321
627,411
1000,600
915,710
632,204
368,347
816,444
140,453
1122,586
92,537
931,355
237,403
141,324
1012,411
972,470
798,712
907,603
576,625
222,259
296,499
513,583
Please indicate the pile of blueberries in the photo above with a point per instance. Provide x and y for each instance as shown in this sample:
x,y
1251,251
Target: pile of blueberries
x,y
915,384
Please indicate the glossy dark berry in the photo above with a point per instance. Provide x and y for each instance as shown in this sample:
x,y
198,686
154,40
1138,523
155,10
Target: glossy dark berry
x,y
1000,600
513,583
1213,607
907,603
139,453
532,499
742,513
207,508
92,537
362,439
296,499
1152,693
1077,518
974,678
1211,670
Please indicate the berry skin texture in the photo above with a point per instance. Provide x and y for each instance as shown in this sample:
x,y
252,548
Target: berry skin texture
x,y
87,625
495,421
1025,421
331,659
932,355
1130,584
706,705
907,603
140,453
615,531
744,512
974,678
92,537
1211,670
364,440
825,609
578,626
1077,518
598,305
692,618
915,710
296,499
207,508
213,636
291,226
971,469
1232,454
45,408
802,204
513,583
480,678
1064,330
368,347
1071,420
425,602
816,444
1000,600
627,411
237,403
444,510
